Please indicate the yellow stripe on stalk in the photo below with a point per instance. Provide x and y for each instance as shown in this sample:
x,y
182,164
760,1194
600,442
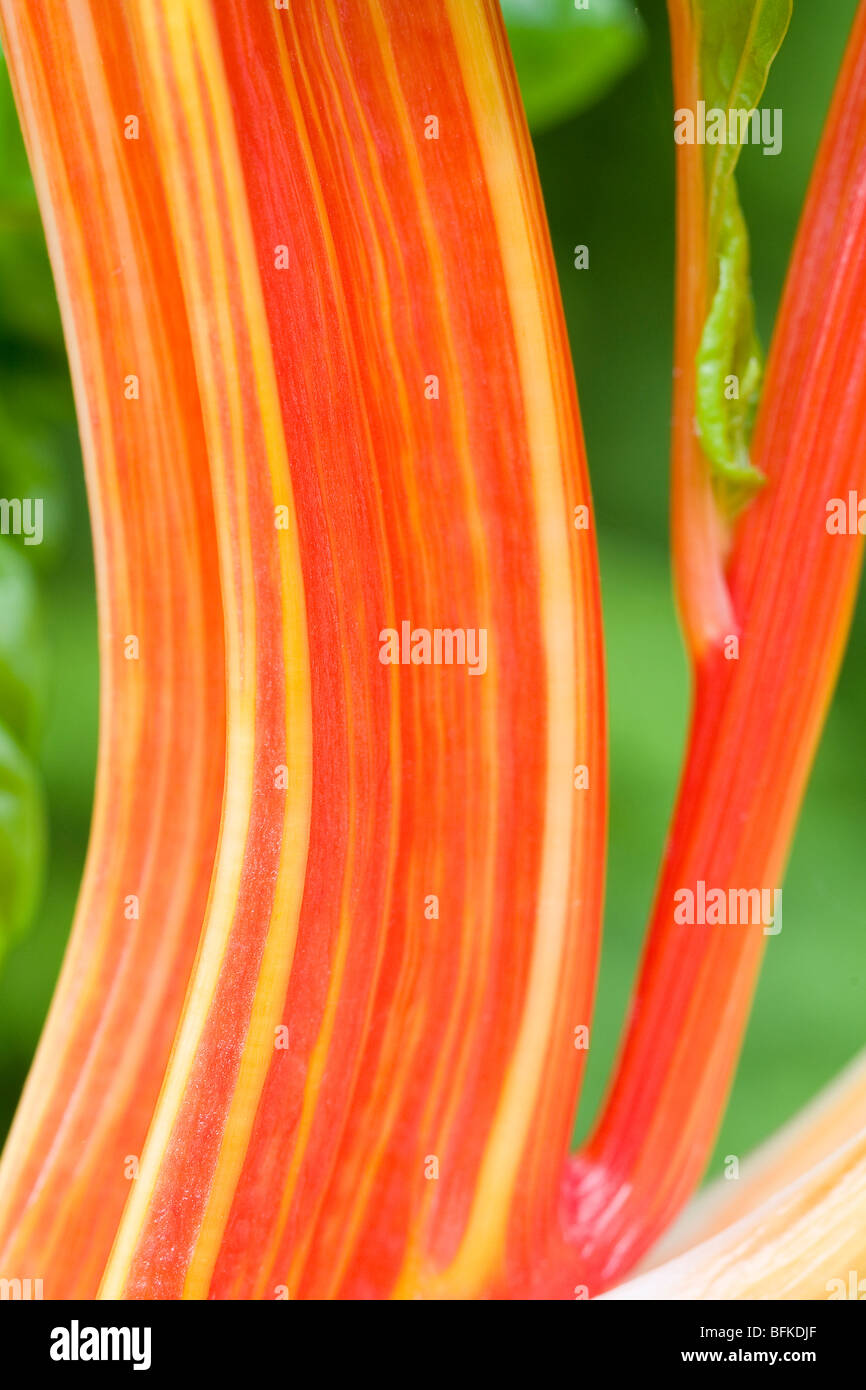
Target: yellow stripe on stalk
x,y
190,46
482,1250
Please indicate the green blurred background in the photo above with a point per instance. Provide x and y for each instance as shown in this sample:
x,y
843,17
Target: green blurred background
x,y
597,87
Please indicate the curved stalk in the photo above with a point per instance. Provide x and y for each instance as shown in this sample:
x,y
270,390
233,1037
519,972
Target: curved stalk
x,y
71,1156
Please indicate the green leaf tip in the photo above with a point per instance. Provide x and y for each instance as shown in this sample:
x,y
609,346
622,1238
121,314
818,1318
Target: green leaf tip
x,y
567,56
738,41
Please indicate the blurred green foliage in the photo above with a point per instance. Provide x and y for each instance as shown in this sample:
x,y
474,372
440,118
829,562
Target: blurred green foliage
x,y
607,174
22,693
22,689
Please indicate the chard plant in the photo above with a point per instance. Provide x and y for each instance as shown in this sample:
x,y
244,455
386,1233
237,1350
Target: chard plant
x,y
322,1022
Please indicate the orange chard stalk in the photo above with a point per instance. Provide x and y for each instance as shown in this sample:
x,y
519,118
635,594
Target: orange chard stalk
x,y
784,593
323,254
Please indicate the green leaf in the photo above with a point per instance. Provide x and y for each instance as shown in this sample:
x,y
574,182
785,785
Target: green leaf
x,y
567,58
738,41
22,839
